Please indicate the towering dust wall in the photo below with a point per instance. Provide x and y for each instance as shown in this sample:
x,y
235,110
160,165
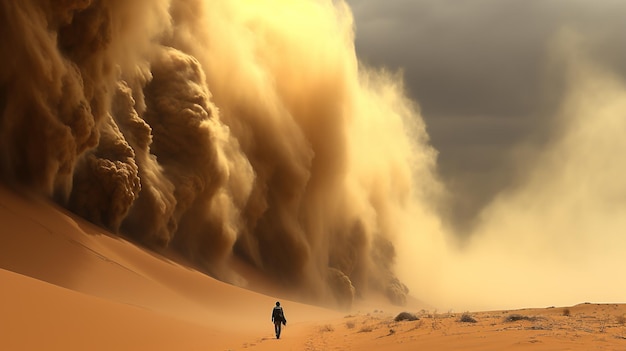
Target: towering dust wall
x,y
217,129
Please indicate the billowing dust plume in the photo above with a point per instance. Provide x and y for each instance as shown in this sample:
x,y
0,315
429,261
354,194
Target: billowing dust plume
x,y
216,129
558,236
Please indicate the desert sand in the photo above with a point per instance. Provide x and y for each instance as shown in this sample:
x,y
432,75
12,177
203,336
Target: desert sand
x,y
69,285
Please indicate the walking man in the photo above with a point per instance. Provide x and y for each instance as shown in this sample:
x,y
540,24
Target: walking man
x,y
278,317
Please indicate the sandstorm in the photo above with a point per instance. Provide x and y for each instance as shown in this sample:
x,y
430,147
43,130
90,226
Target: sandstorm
x,y
250,129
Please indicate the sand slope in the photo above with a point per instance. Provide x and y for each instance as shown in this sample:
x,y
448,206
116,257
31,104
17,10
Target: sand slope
x,y
42,316
81,284
68,285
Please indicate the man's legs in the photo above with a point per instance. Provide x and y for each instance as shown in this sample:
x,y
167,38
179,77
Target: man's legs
x,y
277,329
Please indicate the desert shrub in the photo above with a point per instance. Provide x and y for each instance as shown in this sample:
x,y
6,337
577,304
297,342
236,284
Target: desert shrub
x,y
467,318
350,324
405,316
518,317
366,329
566,312
621,319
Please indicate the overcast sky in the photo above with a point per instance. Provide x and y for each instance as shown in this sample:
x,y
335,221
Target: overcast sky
x,y
482,75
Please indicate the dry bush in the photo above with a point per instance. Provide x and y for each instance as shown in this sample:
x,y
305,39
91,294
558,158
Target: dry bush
x,y
350,324
405,316
366,329
621,319
519,317
467,318
566,312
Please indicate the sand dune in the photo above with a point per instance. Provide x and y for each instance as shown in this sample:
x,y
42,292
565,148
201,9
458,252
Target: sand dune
x,y
77,281
68,285
42,316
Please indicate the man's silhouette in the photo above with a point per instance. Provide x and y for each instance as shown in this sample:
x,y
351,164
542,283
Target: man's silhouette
x,y
278,317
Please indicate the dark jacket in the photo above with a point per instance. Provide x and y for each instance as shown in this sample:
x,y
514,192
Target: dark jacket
x,y
278,315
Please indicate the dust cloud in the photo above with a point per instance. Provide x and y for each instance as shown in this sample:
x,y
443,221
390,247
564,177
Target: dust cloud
x,y
557,236
218,129
250,129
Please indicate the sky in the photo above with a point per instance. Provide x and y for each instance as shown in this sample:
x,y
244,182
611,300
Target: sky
x,y
487,79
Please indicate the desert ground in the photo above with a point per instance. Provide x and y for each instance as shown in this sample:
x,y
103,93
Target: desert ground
x,y
69,285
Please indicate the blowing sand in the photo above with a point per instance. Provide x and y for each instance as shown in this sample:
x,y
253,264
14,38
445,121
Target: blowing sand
x,y
68,285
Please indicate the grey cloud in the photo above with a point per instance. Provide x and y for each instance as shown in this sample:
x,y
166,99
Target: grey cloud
x,y
483,75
